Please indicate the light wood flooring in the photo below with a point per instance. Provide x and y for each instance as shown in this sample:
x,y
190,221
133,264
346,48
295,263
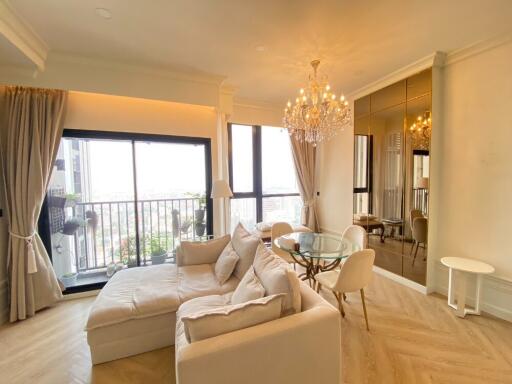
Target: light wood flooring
x,y
413,339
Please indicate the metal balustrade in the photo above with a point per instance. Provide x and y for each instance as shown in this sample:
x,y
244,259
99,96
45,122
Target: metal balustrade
x,y
107,231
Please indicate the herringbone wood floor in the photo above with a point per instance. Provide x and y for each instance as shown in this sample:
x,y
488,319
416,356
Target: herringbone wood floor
x,y
412,339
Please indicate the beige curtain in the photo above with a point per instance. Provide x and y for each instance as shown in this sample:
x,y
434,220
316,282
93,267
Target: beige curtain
x,y
30,139
304,157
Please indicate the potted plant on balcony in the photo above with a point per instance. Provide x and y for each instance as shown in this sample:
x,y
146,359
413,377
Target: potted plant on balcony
x,y
185,226
158,253
127,252
200,227
199,214
69,279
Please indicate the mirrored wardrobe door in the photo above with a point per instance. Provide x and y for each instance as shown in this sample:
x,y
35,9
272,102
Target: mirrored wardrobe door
x,y
417,157
391,173
387,135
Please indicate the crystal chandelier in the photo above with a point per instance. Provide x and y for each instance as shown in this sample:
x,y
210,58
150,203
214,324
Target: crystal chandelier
x,y
317,114
421,131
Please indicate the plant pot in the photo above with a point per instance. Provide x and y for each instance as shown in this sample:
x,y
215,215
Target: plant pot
x,y
69,279
199,215
200,229
158,258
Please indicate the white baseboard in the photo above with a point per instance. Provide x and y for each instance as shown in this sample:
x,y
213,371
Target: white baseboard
x,y
401,280
496,292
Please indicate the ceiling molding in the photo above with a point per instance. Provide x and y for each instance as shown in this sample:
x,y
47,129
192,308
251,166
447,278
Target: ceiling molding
x,y
257,104
22,36
228,90
477,48
193,76
434,59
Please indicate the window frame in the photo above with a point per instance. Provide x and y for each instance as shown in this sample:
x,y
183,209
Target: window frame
x,y
44,218
369,171
257,171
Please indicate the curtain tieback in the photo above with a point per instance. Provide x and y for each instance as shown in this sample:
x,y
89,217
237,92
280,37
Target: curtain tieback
x,y
31,255
309,203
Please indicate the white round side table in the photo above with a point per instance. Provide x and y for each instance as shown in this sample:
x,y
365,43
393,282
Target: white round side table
x,y
464,267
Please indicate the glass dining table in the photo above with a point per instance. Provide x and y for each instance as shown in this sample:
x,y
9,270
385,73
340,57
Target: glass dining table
x,y
316,252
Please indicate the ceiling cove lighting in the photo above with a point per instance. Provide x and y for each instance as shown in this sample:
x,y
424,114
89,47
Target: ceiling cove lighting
x,y
317,114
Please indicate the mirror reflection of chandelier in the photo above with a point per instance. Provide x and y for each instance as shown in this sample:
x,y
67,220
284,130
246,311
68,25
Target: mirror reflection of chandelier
x,y
317,114
421,131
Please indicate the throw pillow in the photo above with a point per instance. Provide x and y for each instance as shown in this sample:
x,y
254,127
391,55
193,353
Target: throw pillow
x,y
245,245
214,322
201,252
248,289
277,277
226,264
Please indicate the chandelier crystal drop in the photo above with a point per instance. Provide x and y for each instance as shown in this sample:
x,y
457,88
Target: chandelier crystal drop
x,y
317,114
421,131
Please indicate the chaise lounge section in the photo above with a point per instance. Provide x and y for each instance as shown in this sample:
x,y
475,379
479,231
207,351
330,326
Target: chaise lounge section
x,y
141,309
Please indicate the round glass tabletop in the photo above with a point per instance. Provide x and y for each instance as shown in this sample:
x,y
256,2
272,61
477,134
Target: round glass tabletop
x,y
316,245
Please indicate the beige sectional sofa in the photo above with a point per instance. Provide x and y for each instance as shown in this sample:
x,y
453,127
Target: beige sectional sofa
x,y
138,310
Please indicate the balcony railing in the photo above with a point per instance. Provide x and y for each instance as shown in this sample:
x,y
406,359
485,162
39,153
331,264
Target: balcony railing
x,y
105,232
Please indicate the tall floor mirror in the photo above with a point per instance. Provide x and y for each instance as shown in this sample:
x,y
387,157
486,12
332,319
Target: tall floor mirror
x,y
392,129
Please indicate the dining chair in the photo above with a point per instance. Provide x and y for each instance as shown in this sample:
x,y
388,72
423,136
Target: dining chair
x,y
419,234
413,214
279,229
355,274
356,235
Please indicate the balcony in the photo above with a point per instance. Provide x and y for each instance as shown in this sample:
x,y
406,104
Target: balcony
x,y
93,240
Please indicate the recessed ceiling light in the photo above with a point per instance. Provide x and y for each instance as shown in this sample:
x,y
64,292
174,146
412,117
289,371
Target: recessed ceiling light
x,y
103,12
261,48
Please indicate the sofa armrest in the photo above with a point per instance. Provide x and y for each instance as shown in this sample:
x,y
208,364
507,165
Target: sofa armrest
x,y
301,348
201,252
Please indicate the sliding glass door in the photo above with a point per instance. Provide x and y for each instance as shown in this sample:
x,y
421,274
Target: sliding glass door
x,y
121,200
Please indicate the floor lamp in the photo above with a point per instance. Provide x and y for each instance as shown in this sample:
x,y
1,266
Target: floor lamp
x,y
221,190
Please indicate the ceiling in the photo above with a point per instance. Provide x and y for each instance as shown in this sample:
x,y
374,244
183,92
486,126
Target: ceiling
x,y
11,56
264,47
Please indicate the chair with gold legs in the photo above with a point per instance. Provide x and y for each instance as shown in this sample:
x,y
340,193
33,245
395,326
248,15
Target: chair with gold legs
x,y
354,275
280,229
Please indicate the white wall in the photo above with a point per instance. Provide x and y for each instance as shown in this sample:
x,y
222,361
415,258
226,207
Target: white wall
x,y
115,78
471,173
474,182
256,114
334,181
91,111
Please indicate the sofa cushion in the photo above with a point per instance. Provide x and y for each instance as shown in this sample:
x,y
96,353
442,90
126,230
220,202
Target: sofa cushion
x,y
211,322
248,289
201,252
193,306
200,280
245,244
226,264
136,293
277,277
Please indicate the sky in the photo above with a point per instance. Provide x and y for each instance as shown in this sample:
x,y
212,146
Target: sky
x,y
163,170
168,170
